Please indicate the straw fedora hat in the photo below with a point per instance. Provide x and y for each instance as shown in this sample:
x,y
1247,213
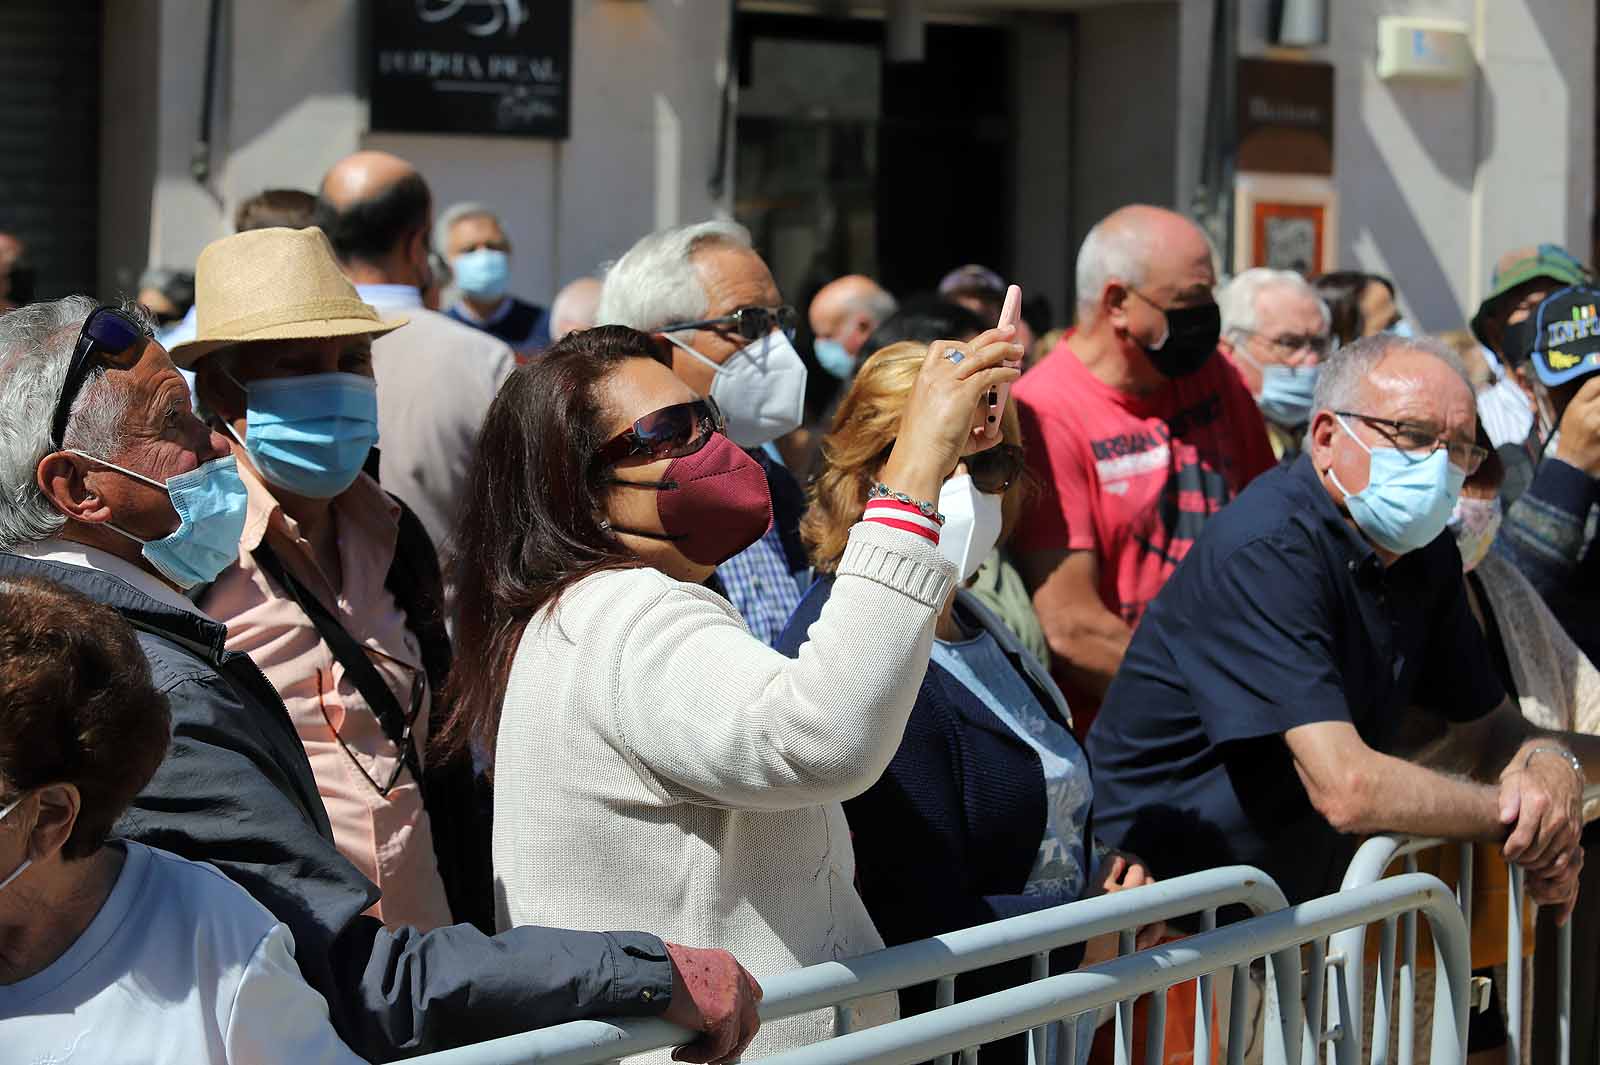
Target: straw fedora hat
x,y
274,284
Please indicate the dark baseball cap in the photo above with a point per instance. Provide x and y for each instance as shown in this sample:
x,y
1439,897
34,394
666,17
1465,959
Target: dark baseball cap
x,y
1566,337
1550,261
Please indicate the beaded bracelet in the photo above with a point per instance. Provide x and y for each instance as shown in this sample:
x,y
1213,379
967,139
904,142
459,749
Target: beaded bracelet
x,y
879,490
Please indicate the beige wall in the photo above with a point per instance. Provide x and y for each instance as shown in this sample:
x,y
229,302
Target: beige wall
x,y
643,119
1436,180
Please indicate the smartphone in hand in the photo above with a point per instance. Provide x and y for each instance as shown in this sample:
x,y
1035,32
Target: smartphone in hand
x,y
993,406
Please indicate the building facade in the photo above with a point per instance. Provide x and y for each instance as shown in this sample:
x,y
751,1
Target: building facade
x,y
951,131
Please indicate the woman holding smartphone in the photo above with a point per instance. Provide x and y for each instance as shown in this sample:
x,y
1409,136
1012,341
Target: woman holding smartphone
x,y
986,810
655,763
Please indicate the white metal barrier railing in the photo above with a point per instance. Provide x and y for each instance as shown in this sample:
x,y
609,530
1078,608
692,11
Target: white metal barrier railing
x,y
1372,860
941,959
1278,936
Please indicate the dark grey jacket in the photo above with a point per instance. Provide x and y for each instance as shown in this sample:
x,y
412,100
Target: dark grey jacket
x,y
236,790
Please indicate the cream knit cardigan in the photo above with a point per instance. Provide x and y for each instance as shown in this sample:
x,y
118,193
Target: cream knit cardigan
x,y
659,768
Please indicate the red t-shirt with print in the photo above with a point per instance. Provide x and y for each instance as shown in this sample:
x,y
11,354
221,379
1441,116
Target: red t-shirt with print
x,y
1133,477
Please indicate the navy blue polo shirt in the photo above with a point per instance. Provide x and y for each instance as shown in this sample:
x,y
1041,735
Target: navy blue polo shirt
x,y
1280,615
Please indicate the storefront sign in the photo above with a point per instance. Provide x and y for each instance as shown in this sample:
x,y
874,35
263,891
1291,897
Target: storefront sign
x,y
472,66
1285,117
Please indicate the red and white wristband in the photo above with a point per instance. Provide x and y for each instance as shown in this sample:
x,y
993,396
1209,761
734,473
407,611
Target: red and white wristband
x,y
899,511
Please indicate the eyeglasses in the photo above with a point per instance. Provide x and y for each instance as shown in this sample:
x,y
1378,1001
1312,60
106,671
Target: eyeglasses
x,y
751,323
113,335
1418,442
668,433
419,690
1291,343
995,469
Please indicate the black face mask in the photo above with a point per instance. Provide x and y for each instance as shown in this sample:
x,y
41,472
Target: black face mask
x,y
1518,341
1192,335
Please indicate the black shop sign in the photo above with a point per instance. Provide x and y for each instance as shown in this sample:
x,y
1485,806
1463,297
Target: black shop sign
x,y
472,66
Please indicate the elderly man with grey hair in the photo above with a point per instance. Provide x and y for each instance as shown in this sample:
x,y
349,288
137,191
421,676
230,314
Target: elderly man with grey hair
x,y
473,241
707,291
1258,705
109,485
1137,432
1277,331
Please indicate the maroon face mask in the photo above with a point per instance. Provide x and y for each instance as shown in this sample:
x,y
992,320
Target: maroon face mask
x,y
712,504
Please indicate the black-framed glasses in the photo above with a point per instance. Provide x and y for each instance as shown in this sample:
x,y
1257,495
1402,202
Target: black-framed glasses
x,y
668,433
995,469
1418,442
751,323
109,333
1318,344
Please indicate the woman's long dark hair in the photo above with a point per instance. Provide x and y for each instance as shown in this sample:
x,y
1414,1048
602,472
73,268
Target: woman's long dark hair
x,y
530,527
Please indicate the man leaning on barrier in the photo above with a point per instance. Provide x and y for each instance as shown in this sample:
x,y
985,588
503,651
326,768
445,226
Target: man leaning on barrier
x,y
111,486
1251,717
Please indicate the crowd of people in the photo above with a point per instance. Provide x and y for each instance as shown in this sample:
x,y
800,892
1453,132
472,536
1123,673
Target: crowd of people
x,y
402,642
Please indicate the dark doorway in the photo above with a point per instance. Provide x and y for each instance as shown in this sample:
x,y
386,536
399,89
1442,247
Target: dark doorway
x,y
50,138
848,163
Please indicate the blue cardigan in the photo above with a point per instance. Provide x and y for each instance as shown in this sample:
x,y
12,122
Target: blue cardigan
x,y
947,837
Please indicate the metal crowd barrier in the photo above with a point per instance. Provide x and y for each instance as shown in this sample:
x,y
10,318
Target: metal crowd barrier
x,y
1369,865
1277,933
836,984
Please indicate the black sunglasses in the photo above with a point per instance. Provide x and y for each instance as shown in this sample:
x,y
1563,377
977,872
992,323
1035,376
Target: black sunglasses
x,y
668,433
751,323
111,334
995,469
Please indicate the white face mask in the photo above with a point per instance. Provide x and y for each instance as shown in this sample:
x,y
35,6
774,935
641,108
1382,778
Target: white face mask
x,y
1475,524
19,870
761,388
972,521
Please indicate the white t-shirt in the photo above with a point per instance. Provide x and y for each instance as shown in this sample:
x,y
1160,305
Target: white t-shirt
x,y
180,965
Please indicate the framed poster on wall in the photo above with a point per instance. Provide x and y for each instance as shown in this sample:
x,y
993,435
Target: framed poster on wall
x,y
1287,222
486,66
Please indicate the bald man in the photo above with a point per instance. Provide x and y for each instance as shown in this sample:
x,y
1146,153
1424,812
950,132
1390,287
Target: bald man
x,y
843,314
574,307
1137,431
436,377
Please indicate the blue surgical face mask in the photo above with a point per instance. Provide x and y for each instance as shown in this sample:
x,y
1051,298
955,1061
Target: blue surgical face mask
x,y
1407,502
311,435
1286,393
483,274
211,503
834,358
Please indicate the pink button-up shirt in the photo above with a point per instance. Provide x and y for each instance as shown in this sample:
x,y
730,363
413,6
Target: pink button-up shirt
x,y
387,837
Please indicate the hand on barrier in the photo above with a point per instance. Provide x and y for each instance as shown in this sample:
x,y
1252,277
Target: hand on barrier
x,y
714,994
1542,800
1121,872
1558,888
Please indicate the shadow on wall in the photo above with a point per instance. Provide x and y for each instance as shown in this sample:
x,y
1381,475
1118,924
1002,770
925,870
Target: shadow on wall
x,y
1385,212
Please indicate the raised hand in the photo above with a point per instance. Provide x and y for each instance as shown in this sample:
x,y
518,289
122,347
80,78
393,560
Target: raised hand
x,y
936,427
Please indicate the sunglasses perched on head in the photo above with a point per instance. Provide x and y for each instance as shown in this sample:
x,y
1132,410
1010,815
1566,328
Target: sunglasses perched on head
x,y
668,433
109,337
751,323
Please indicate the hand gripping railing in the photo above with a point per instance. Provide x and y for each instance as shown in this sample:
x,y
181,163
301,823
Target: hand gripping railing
x,y
1348,948
1279,935
833,984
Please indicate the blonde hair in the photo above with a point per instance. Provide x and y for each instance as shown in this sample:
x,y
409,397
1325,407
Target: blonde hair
x,y
864,430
